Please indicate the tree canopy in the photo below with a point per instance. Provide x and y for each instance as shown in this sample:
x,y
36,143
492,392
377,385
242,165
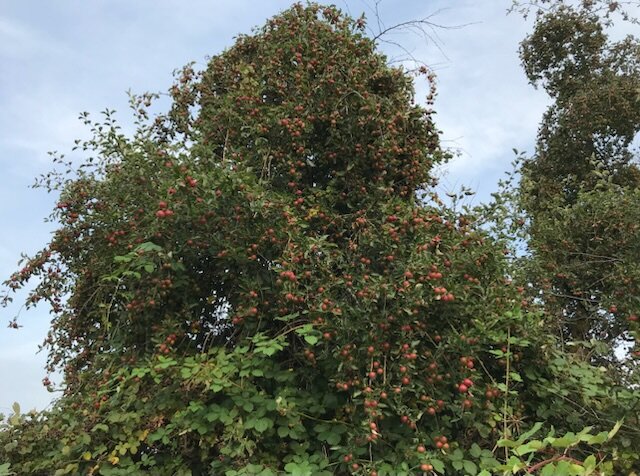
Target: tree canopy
x,y
580,189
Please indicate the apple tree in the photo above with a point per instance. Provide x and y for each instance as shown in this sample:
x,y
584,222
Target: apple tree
x,y
262,281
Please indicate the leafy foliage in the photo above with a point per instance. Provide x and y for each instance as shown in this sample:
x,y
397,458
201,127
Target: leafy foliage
x,y
579,191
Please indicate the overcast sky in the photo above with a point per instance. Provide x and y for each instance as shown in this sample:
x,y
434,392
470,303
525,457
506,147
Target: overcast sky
x,y
60,58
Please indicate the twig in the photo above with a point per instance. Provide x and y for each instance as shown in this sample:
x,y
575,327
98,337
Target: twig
x,y
552,460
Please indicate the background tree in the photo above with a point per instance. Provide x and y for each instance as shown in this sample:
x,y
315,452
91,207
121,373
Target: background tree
x,y
261,281
580,189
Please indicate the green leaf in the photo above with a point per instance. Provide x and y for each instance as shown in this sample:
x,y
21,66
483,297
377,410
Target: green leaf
x,y
549,470
148,246
529,447
563,468
470,467
165,362
569,439
263,424
268,351
140,372
100,427
311,339
589,463
515,376
437,465
298,469
288,317
68,469
614,430
457,455
475,450
5,469
505,443
526,435
157,435
333,438
599,438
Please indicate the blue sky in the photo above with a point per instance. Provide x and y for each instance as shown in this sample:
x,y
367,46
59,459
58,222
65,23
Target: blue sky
x,y
60,58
